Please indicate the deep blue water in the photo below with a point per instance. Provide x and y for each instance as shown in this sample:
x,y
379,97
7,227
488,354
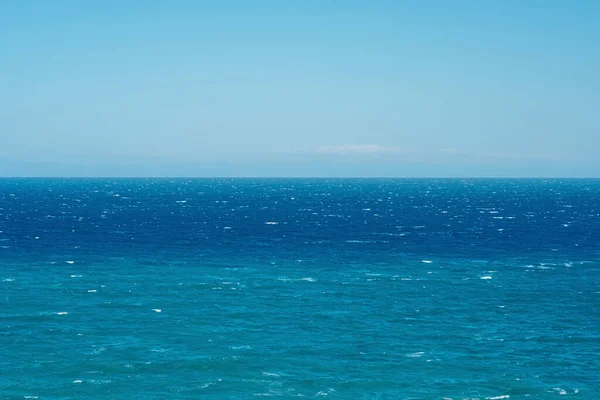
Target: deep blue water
x,y
345,289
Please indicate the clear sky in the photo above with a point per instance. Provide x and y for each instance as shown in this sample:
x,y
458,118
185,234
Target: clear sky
x,y
300,88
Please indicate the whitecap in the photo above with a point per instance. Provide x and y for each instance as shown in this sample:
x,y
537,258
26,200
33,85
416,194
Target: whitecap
x,y
77,381
323,393
270,374
415,355
158,350
427,261
271,223
156,310
8,280
61,313
241,347
70,262
92,291
309,279
504,396
486,277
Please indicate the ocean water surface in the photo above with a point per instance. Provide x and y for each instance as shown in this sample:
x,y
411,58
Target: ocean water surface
x,y
286,288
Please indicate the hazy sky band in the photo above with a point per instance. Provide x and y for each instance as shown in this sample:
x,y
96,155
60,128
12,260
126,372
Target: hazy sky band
x,y
399,88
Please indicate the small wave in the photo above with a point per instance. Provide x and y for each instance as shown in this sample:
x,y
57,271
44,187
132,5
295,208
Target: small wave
x,y
308,279
271,223
541,266
559,391
416,354
158,350
323,393
8,280
504,396
270,374
241,347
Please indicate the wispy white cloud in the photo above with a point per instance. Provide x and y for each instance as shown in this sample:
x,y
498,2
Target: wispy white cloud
x,y
450,151
514,155
353,149
528,156
440,154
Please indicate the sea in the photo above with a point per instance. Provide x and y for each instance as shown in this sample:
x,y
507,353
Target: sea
x,y
299,288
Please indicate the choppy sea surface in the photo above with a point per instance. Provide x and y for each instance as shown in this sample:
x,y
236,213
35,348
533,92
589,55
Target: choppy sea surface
x,y
286,288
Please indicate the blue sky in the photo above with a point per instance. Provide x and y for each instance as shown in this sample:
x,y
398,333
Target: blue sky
x,y
300,88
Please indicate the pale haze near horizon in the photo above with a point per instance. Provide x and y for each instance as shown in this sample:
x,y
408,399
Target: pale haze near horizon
x,y
314,88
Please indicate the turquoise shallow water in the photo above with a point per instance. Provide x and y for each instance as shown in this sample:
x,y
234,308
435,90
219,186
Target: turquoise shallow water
x,y
347,289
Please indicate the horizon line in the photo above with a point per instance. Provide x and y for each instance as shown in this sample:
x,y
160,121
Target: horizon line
x,y
289,177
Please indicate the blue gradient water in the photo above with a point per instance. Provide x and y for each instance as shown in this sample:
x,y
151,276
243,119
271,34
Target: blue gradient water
x,y
345,289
